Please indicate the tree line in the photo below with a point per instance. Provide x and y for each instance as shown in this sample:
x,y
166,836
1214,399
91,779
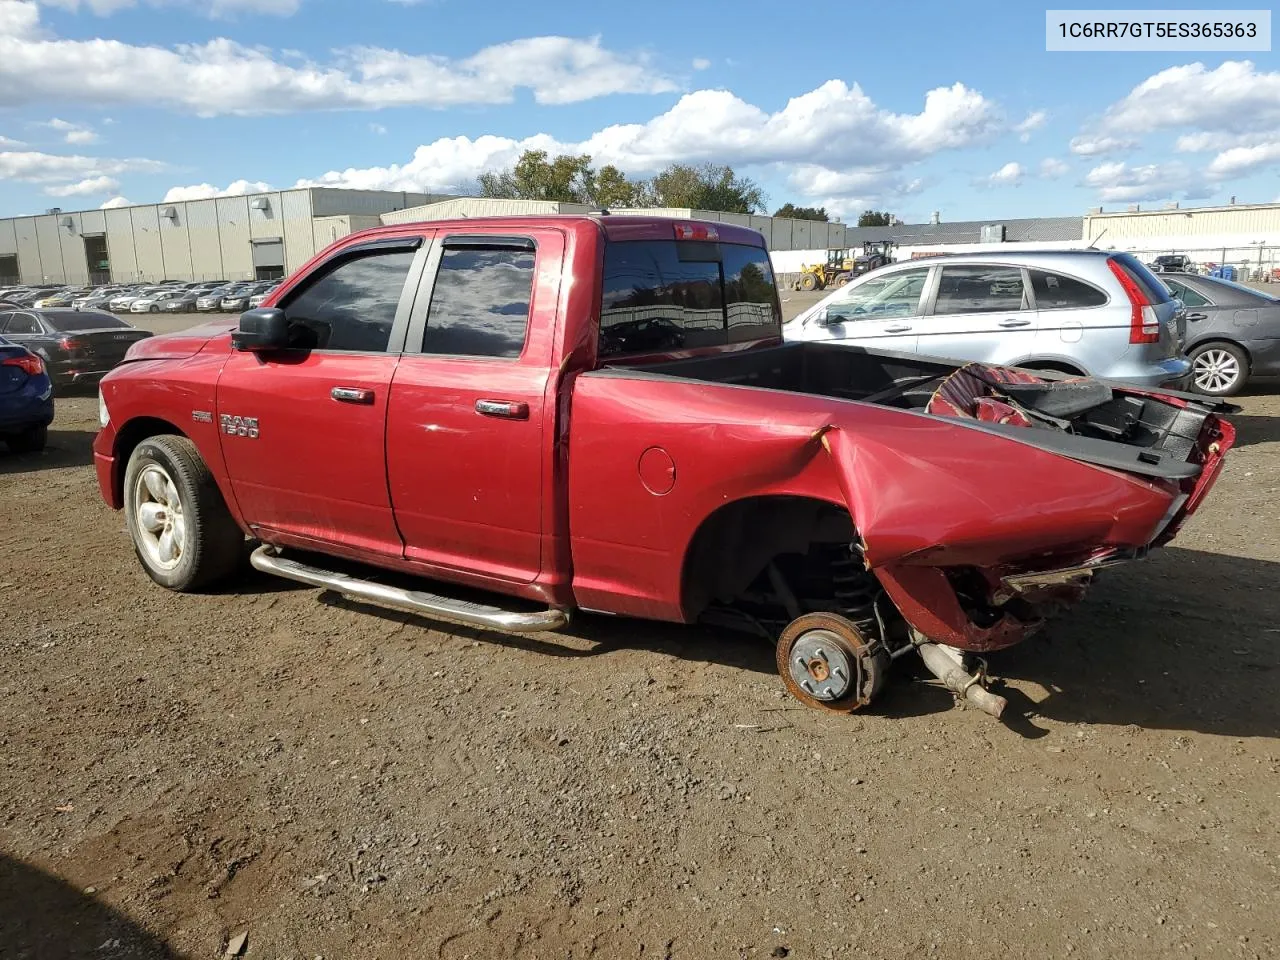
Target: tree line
x,y
573,179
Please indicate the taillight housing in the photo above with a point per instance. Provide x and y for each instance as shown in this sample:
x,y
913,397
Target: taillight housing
x,y
30,363
696,231
1144,325
70,343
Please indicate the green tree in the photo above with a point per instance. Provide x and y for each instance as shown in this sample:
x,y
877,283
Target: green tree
x,y
609,187
706,186
801,213
535,177
875,218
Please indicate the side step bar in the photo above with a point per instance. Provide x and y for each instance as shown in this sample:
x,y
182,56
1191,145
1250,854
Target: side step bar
x,y
268,560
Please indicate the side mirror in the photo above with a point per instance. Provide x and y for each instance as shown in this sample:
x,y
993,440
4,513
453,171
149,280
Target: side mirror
x,y
264,328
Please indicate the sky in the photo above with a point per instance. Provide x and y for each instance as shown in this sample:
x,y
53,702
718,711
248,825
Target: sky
x,y
911,108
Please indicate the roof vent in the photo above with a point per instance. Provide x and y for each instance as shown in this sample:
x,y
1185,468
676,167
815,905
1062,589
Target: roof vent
x,y
67,222
169,213
1134,207
937,217
260,203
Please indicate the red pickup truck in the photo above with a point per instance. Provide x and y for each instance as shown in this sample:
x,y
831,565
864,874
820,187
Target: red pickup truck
x,y
598,413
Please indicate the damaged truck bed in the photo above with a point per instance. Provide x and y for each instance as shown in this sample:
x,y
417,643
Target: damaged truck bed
x,y
598,413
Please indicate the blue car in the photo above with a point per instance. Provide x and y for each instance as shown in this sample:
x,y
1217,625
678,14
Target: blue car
x,y
26,399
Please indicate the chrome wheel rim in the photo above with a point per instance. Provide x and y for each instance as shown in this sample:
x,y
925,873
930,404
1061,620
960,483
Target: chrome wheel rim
x,y
1216,370
160,522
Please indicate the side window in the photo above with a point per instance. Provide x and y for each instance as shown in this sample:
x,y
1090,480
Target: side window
x,y
20,323
352,305
1189,297
480,301
979,289
750,293
880,298
4,320
1057,292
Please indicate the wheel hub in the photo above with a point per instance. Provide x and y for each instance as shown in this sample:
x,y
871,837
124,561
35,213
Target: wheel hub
x,y
821,667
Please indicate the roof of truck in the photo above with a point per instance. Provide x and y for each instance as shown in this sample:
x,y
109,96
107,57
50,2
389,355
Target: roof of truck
x,y
615,227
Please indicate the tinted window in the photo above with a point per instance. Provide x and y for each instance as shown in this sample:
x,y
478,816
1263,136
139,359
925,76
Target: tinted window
x,y
979,289
4,321
750,293
662,295
83,320
880,298
352,305
1156,291
22,323
480,302
1184,293
1055,292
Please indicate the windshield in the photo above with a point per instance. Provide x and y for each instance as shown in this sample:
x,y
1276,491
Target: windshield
x,y
69,322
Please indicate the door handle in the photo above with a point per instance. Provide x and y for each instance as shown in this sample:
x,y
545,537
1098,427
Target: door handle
x,y
351,395
1014,323
899,328
506,409
1193,317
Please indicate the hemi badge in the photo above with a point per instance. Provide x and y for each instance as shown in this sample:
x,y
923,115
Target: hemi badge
x,y
202,416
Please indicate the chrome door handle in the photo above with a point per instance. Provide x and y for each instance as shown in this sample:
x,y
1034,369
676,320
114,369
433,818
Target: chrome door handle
x,y
1015,323
900,328
506,409
351,395
1193,317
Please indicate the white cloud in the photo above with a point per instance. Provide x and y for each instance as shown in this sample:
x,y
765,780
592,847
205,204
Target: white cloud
x,y
1010,175
207,191
1051,168
1239,161
211,8
701,63
116,202
832,142
31,166
222,76
86,187
7,142
377,128
1234,98
1093,145
73,133
1034,121
1117,182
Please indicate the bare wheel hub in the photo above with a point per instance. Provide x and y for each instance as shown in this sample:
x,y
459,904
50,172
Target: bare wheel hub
x,y
825,662
820,667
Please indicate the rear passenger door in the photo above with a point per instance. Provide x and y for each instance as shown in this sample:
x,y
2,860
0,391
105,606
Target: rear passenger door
x,y
1066,306
469,452
978,312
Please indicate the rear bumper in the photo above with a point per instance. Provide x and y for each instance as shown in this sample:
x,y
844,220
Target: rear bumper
x,y
31,407
1173,373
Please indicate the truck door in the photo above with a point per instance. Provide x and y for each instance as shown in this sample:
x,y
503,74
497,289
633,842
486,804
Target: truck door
x,y
469,452
302,430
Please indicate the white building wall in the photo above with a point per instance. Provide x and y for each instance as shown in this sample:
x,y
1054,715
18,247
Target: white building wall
x,y
175,243
233,238
124,262
298,228
71,239
146,243
50,247
200,220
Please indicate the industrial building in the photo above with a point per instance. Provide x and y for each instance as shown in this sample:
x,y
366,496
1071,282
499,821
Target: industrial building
x,y
1245,236
258,236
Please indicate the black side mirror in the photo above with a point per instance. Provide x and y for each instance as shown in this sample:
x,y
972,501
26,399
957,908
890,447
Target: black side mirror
x,y
263,328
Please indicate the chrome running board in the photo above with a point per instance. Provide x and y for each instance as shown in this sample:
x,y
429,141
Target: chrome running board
x,y
268,560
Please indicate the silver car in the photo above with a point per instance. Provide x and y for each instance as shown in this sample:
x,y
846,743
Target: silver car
x,y
1074,311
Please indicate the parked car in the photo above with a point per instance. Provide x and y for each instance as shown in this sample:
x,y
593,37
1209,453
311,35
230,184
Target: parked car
x,y
213,299
238,300
96,299
76,345
152,302
59,298
851,504
122,301
26,398
1233,333
1080,312
257,298
184,301
1172,263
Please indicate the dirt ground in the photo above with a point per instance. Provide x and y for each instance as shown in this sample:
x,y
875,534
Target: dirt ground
x,y
336,782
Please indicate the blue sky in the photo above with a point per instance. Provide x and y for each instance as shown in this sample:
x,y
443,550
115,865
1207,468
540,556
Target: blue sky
x,y
942,106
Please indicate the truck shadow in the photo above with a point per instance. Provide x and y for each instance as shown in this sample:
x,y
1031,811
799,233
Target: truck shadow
x,y
44,918
1252,430
1186,640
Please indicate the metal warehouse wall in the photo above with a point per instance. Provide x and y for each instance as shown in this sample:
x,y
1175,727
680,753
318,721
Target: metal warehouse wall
x,y
333,202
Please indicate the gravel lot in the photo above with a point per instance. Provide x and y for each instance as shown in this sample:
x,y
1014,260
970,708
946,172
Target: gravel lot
x,y
336,782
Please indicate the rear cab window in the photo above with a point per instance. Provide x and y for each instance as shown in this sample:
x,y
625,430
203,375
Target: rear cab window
x,y
665,295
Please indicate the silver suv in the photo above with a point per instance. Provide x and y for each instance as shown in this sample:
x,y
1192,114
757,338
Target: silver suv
x,y
1075,311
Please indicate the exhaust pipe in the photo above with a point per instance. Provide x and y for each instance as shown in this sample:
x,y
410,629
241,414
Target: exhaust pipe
x,y
944,663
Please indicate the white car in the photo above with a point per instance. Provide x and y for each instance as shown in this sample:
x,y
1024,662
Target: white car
x,y
150,303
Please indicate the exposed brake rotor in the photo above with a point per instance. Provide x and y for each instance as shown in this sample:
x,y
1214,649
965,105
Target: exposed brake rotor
x,y
826,663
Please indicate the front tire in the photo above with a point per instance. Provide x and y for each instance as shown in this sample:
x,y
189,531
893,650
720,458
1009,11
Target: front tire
x,y
1219,369
182,532
808,283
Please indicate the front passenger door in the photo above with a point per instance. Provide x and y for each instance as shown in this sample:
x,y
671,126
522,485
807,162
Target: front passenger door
x,y
303,429
880,312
